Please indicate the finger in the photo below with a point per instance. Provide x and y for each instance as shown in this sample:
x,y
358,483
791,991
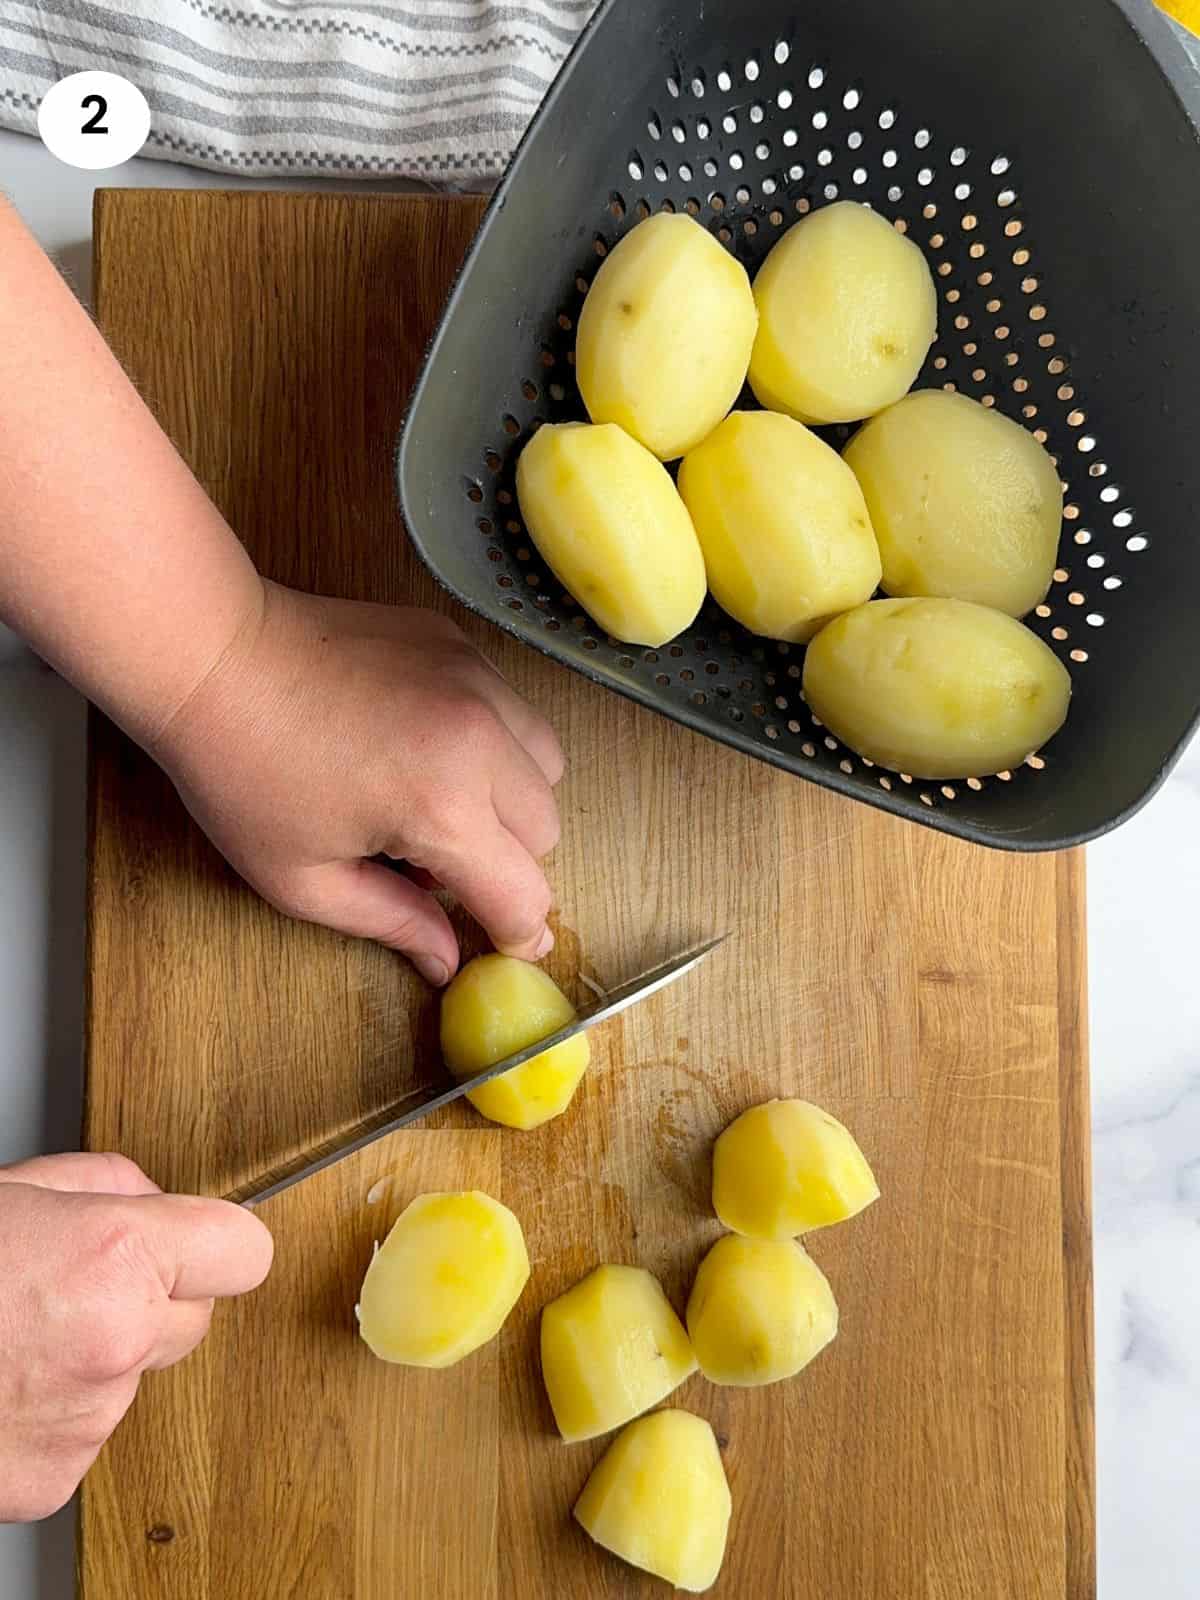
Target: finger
x,y
502,887
82,1172
530,729
370,901
202,1249
184,1327
525,803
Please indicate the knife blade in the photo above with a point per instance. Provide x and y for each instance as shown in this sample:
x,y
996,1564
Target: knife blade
x,y
419,1102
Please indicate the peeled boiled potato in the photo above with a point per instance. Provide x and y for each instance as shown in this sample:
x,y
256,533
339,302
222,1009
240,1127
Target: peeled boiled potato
x,y
665,334
847,312
786,536
658,1498
936,688
787,1167
612,1347
964,501
495,1006
760,1310
444,1280
609,522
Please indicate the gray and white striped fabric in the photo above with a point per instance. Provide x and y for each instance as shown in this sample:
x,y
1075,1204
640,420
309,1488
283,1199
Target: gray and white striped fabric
x,y
433,89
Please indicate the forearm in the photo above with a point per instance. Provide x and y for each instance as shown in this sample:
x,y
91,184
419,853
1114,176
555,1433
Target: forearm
x,y
114,564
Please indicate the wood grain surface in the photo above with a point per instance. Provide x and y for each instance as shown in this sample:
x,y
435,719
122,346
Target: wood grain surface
x,y
928,992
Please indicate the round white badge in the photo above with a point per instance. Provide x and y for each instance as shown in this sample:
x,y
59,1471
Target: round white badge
x,y
94,119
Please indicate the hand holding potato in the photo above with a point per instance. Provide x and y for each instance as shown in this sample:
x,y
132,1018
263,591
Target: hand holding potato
x,y
496,1006
102,1278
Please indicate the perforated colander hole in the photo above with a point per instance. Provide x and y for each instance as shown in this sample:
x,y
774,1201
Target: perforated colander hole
x,y
889,158
958,155
736,160
635,169
751,69
790,136
816,77
757,111
1137,543
474,492
742,195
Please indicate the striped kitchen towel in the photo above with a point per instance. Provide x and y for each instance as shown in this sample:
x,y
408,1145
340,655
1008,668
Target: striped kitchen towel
x,y
433,89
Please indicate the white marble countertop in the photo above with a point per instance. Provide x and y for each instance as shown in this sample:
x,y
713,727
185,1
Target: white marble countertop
x,y
1145,1050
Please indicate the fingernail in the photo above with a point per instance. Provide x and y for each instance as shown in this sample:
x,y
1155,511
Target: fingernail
x,y
545,945
432,970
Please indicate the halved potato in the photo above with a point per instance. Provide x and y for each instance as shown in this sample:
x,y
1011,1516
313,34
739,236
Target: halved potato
x,y
659,1499
847,311
787,1167
936,688
964,501
609,522
495,1006
612,1347
760,1310
444,1279
665,334
786,536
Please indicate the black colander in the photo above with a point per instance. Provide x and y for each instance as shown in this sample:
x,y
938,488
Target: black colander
x,y
1046,157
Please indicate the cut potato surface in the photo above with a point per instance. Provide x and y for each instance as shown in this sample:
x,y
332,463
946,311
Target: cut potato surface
x,y
659,1499
609,522
782,522
444,1279
787,1167
495,1006
965,502
936,688
612,1347
665,334
847,312
760,1310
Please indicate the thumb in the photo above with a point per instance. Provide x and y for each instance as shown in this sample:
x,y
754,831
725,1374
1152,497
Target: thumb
x,y
370,901
201,1249
82,1172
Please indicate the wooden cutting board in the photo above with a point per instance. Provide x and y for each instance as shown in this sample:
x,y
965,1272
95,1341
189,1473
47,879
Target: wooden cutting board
x,y
929,993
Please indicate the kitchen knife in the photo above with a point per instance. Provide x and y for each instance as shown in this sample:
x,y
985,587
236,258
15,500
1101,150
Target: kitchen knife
x,y
418,1102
